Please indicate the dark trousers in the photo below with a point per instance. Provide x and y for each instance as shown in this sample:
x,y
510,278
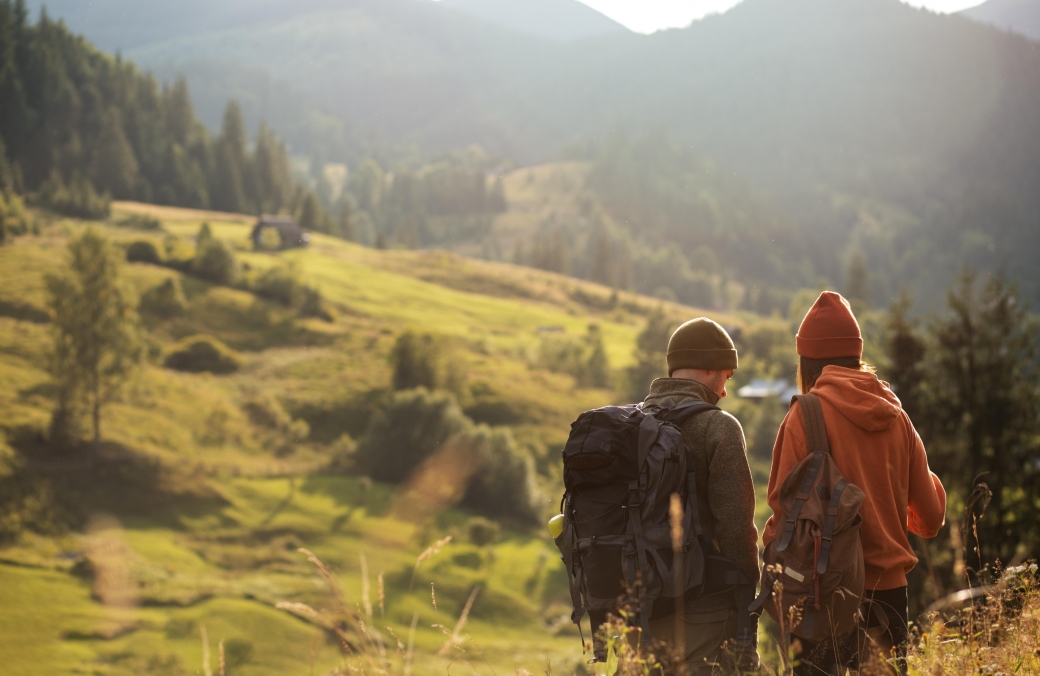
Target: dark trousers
x,y
882,627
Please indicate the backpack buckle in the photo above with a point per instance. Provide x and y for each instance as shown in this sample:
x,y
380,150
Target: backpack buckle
x,y
635,497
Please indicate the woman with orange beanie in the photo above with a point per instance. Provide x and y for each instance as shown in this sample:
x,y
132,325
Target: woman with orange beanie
x,y
875,447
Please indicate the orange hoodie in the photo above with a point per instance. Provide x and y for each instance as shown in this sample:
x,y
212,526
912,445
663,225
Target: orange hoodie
x,y
876,447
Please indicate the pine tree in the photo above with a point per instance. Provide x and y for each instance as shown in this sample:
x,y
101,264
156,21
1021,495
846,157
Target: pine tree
x,y
204,236
271,171
857,285
229,180
310,212
345,222
367,186
559,258
651,348
497,198
96,345
114,169
601,267
595,372
625,272
180,113
906,353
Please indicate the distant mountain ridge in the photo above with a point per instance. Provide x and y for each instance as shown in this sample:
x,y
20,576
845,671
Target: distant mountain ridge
x,y
559,20
1020,16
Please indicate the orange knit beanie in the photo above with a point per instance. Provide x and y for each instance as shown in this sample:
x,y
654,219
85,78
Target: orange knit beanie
x,y
829,330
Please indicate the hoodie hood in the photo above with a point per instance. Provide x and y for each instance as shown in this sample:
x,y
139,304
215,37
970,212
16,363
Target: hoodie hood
x,y
867,402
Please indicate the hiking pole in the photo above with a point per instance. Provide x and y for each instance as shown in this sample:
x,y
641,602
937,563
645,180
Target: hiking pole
x,y
675,514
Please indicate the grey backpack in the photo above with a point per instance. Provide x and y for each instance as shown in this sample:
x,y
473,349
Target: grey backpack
x,y
621,465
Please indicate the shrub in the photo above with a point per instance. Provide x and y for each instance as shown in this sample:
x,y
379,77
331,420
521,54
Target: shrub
x,y
203,353
481,531
77,199
584,358
504,486
143,251
237,651
178,253
416,360
214,262
141,222
165,300
282,284
266,411
12,216
414,425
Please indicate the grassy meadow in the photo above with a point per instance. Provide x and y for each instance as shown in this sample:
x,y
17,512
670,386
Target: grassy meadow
x,y
183,543
191,519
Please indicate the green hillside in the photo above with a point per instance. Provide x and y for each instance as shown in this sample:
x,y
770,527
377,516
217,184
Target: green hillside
x,y
191,513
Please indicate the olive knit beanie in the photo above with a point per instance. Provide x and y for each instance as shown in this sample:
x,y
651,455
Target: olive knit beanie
x,y
829,330
701,344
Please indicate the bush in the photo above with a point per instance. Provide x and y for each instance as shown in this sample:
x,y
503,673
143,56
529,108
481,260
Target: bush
x,y
203,353
165,300
279,284
178,253
141,222
78,199
504,486
143,251
481,531
237,651
418,423
282,284
214,262
584,358
416,360
266,411
411,429
12,216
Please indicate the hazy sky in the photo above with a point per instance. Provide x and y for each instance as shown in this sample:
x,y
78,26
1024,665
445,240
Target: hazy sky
x,y
647,16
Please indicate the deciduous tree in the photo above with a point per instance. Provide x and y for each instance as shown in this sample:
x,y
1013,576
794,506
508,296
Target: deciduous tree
x,y
95,329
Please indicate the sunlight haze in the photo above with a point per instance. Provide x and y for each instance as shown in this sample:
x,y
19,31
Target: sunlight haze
x,y
647,16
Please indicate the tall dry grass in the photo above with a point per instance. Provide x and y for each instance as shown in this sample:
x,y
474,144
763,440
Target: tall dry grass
x,y
985,631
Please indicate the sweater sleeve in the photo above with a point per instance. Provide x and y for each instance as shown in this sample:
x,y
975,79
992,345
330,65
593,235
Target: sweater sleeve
x,y
731,496
790,449
927,497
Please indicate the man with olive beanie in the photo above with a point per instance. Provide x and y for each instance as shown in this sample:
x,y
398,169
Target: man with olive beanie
x,y
701,358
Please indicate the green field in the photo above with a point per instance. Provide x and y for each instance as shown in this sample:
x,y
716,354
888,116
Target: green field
x,y
195,523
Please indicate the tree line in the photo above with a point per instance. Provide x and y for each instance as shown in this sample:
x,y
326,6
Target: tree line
x,y
970,380
78,127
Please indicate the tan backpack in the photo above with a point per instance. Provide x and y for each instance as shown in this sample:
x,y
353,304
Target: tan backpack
x,y
816,553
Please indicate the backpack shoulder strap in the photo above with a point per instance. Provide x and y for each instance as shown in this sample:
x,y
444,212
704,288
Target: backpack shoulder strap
x,y
815,427
676,416
686,409
816,442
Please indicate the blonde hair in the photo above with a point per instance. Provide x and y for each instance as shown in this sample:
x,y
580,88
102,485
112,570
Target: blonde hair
x,y
809,370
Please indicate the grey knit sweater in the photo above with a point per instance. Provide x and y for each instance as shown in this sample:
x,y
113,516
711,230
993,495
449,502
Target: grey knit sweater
x,y
724,488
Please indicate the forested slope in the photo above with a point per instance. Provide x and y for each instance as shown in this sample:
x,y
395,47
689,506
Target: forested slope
x,y
870,128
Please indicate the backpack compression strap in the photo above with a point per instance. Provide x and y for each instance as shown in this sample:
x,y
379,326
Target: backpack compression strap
x,y
676,416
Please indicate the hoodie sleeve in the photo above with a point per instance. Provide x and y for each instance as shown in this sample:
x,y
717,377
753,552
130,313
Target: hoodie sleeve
x,y
790,449
927,497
